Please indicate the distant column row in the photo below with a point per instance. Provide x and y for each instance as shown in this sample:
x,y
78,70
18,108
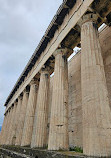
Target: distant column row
x,y
26,121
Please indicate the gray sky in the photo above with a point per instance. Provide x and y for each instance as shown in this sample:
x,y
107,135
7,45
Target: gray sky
x,y
22,25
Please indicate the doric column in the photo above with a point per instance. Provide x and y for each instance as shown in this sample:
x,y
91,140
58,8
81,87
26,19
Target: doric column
x,y
13,130
95,101
39,137
18,112
9,142
10,125
29,118
22,116
58,134
7,126
3,129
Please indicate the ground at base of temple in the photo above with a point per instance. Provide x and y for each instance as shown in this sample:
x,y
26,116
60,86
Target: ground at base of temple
x,y
26,152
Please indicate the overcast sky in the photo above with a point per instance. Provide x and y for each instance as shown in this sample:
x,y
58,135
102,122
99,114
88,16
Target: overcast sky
x,y
22,25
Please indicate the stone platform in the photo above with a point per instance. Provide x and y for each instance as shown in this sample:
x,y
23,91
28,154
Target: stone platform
x,y
27,152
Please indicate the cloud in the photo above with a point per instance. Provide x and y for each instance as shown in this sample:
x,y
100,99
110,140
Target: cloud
x,y
22,25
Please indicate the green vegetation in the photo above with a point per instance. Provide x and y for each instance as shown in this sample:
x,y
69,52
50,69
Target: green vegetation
x,y
76,149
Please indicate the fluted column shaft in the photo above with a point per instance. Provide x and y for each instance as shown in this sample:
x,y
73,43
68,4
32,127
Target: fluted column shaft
x,y
7,126
4,132
29,118
10,126
95,101
39,137
18,112
58,134
13,130
22,117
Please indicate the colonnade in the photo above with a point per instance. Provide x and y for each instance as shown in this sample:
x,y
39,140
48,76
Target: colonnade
x,y
25,122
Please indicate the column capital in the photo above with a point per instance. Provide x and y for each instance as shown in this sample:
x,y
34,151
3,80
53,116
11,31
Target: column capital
x,y
26,90
88,17
33,81
62,51
15,103
20,97
9,109
6,113
44,70
12,105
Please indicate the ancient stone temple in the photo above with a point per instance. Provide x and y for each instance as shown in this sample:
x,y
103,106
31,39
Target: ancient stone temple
x,y
72,107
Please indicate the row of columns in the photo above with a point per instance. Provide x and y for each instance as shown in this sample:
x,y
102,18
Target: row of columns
x,y
26,121
28,117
